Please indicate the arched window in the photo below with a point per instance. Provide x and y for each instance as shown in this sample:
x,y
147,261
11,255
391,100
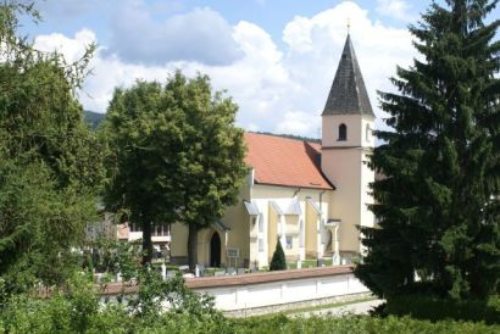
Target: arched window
x,y
342,132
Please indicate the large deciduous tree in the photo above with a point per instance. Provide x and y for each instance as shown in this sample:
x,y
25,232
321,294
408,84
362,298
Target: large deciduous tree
x,y
175,155
438,202
48,159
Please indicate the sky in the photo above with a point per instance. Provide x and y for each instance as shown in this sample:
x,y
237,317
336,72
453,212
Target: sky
x,y
275,58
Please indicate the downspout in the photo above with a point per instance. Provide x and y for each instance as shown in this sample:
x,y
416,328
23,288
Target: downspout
x,y
321,202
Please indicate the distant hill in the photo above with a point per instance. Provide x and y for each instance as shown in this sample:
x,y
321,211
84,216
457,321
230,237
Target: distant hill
x,y
284,135
93,118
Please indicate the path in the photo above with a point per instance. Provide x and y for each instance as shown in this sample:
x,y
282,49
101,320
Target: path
x,y
337,311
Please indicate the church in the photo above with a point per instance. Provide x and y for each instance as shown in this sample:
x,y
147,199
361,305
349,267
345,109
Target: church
x,y
309,196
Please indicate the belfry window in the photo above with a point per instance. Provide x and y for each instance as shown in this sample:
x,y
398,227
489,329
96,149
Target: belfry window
x,y
342,132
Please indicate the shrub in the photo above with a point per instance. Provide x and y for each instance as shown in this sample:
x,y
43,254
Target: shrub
x,y
434,309
278,262
356,325
77,309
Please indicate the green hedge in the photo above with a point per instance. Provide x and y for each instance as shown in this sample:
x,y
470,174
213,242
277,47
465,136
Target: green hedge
x,y
77,309
358,325
434,309
62,315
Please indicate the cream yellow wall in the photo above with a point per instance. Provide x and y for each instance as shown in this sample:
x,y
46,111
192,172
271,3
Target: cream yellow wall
x,y
311,237
263,194
367,177
346,204
204,237
235,217
244,233
344,163
178,246
292,229
330,130
272,231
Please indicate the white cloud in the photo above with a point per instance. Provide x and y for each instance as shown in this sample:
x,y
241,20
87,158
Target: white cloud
x,y
299,123
398,9
281,90
72,48
315,44
201,35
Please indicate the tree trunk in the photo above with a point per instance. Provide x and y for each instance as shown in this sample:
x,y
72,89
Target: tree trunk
x,y
147,244
192,246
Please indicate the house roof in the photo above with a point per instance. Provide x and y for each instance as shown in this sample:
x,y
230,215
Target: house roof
x,y
285,161
348,93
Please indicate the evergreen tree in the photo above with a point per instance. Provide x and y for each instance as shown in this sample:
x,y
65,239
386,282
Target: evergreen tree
x,y
176,156
438,201
278,261
48,159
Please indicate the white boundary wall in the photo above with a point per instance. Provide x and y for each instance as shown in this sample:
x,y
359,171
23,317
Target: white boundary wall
x,y
241,297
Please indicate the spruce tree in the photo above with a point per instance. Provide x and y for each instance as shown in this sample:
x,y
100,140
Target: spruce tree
x,y
278,261
438,200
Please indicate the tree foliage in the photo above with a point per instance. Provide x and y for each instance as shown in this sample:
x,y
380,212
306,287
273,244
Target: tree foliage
x,y
438,203
48,158
79,308
175,155
278,261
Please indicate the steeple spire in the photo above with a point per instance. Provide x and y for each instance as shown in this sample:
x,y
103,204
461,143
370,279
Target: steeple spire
x,y
348,93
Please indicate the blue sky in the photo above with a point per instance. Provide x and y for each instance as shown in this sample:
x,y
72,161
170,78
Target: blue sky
x,y
68,16
276,58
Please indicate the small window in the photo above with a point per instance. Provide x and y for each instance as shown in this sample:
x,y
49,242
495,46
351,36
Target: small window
x,y
342,132
289,242
368,133
261,222
233,252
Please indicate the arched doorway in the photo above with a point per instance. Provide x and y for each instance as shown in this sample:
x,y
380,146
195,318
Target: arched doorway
x,y
215,250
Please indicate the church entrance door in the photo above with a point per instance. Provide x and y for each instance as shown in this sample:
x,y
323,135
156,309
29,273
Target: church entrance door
x,y
215,250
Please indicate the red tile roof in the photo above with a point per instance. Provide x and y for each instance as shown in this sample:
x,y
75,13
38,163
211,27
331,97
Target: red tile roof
x,y
285,161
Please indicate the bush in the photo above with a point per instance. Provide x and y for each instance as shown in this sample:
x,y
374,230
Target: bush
x,y
357,325
434,309
78,309
278,262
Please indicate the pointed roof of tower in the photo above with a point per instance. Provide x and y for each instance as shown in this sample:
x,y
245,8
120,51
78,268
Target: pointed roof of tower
x,y
348,93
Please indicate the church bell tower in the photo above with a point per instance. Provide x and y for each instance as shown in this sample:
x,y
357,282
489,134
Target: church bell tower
x,y
347,141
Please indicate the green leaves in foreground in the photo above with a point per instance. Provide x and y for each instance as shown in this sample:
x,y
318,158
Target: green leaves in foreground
x,y
49,160
356,325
